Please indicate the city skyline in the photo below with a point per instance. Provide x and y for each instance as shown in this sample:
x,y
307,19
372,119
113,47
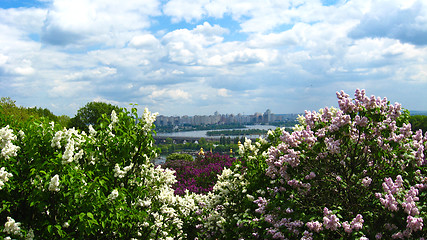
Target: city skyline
x,y
217,118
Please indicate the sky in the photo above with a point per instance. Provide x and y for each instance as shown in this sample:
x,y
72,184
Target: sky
x,y
195,57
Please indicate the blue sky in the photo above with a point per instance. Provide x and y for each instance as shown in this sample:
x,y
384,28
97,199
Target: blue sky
x,y
182,57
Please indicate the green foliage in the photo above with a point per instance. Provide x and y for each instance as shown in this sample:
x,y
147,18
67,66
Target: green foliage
x,y
337,163
90,115
338,167
171,147
67,185
203,142
179,156
418,122
17,116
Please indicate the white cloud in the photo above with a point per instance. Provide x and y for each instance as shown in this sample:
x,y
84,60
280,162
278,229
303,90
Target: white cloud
x,y
25,20
64,89
146,41
223,92
392,19
24,70
156,94
187,46
214,54
100,72
96,21
183,9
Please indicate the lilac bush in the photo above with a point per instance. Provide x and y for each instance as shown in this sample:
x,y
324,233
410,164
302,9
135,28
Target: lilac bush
x,y
357,172
337,168
65,184
200,175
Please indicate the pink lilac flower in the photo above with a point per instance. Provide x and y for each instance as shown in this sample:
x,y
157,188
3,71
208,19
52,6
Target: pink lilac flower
x,y
314,226
310,176
361,121
357,222
414,224
278,235
332,146
307,235
366,181
330,221
389,202
347,227
262,203
409,205
398,235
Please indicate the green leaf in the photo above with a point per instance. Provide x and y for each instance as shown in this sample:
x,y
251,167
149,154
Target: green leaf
x,y
49,228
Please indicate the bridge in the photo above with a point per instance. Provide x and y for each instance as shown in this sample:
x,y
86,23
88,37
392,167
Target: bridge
x,y
162,139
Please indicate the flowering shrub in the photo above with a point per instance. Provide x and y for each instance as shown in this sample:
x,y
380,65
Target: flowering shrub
x,y
333,177
357,172
200,175
66,184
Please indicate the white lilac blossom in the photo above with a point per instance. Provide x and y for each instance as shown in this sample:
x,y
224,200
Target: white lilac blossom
x,y
113,195
8,149
92,131
72,140
148,119
4,177
121,173
12,227
114,121
114,118
216,202
30,235
54,184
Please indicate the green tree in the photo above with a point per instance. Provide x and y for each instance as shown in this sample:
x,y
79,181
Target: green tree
x,y
16,115
418,122
90,114
202,141
179,156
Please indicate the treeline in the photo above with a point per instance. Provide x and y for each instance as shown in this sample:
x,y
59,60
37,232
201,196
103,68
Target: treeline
x,y
225,145
89,114
287,123
418,122
11,114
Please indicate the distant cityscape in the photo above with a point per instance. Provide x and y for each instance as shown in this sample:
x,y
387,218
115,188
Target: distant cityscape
x,y
219,119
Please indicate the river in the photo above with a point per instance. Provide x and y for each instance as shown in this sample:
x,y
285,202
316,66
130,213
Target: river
x,y
202,133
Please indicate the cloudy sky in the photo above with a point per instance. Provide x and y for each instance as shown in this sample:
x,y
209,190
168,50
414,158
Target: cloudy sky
x,y
188,57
